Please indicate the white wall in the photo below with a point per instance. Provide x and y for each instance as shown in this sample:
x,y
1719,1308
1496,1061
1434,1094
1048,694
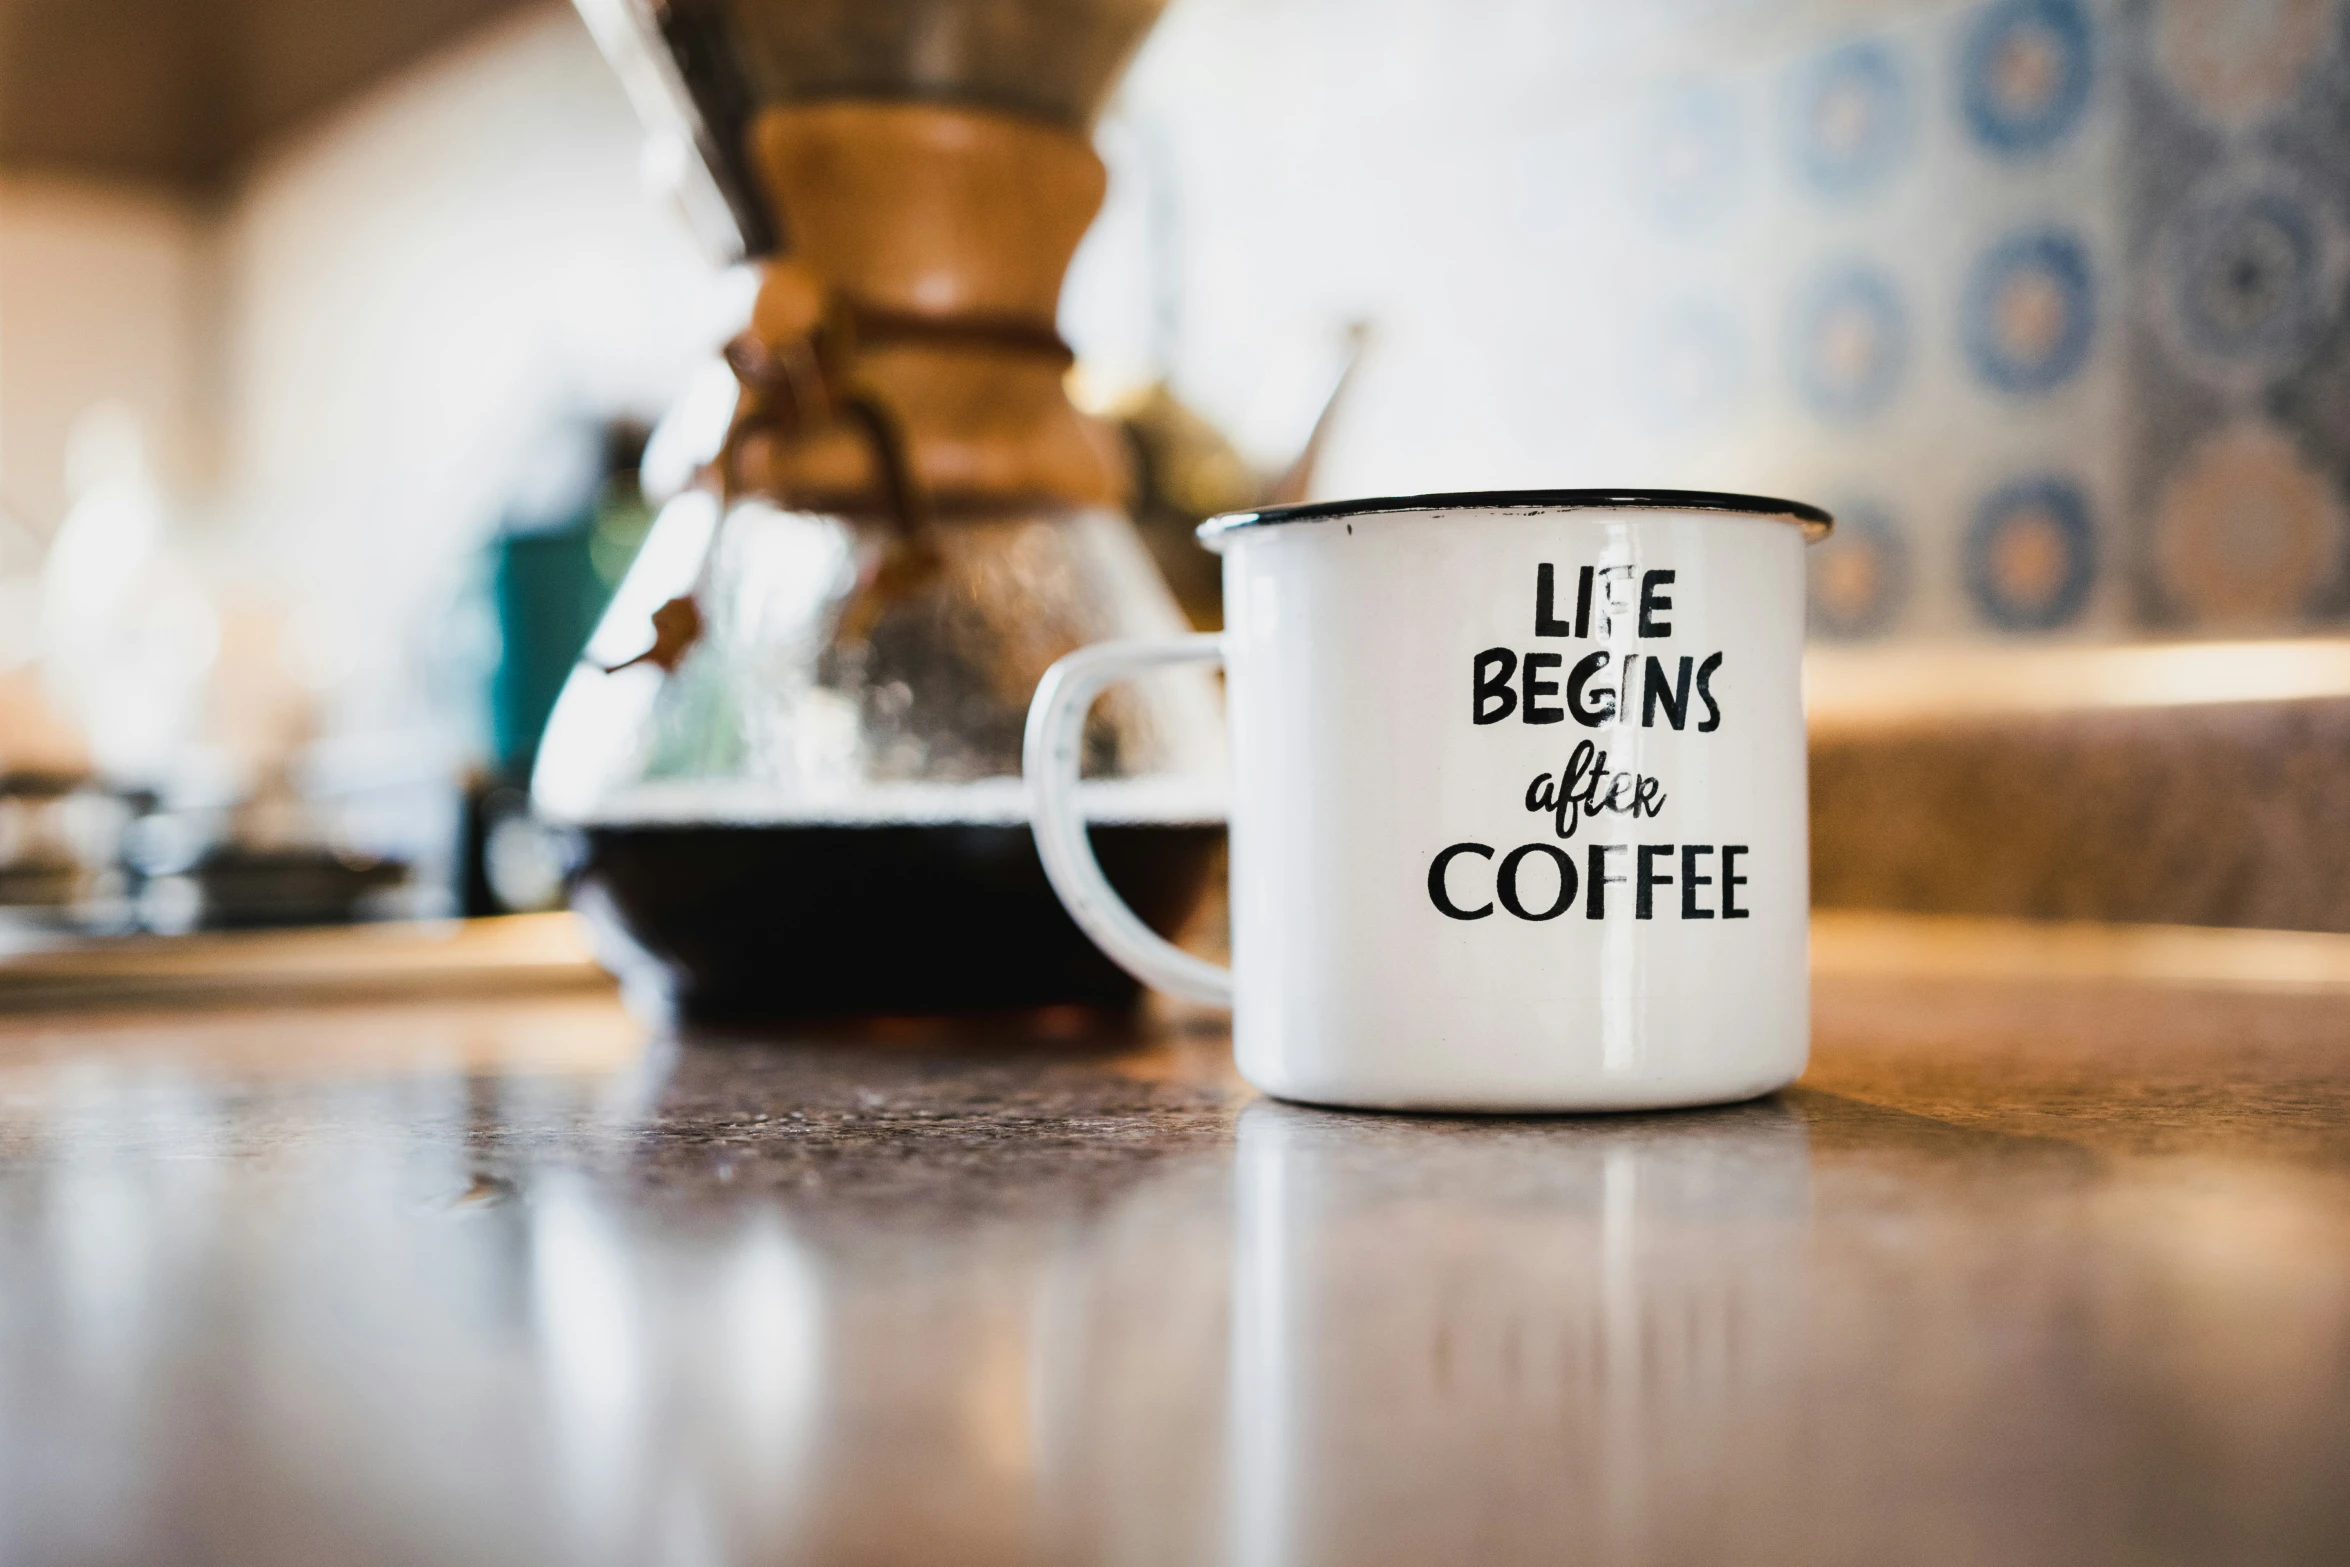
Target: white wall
x,y
348,364
416,293
103,297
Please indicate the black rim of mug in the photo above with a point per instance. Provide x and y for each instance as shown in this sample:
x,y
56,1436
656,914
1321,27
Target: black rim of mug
x,y
1816,524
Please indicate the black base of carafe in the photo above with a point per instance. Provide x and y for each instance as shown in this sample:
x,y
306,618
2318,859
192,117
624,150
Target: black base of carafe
x,y
765,924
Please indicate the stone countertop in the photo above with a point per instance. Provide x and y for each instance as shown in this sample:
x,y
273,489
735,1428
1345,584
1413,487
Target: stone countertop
x,y
2046,1260
2201,783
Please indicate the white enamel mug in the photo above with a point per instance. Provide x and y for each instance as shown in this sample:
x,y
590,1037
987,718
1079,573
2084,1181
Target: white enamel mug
x,y
1518,805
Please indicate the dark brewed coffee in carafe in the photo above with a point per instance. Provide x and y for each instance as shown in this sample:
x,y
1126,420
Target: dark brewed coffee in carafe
x,y
816,918
792,752
781,826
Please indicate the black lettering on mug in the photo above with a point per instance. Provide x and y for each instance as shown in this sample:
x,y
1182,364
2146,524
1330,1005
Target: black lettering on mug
x,y
1495,687
1713,711
1597,880
1443,900
1615,594
1536,712
1653,603
1647,879
1505,884
1674,696
1691,881
1598,707
1546,621
1585,787
1653,867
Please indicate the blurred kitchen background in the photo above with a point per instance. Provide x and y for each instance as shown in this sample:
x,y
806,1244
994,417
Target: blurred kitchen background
x,y
332,337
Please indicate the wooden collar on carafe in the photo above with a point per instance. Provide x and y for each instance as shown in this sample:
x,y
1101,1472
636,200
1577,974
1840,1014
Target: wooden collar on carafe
x,y
901,359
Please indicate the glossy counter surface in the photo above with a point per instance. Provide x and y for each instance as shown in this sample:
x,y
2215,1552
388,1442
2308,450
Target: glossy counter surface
x,y
2048,1260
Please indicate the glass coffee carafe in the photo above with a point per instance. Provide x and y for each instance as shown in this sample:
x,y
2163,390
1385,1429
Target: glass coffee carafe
x,y
792,751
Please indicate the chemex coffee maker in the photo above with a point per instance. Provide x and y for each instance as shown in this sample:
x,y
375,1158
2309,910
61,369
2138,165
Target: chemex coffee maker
x,y
792,753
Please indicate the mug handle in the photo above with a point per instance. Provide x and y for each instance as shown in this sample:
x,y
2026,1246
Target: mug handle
x,y
1049,757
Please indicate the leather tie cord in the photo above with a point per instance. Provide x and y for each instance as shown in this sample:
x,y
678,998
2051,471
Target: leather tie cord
x,y
809,382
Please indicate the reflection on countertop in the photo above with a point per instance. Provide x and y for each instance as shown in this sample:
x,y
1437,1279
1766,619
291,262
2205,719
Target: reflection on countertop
x,y
2044,1261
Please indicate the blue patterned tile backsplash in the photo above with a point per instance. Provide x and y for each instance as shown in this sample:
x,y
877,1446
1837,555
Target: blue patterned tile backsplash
x,y
2045,297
